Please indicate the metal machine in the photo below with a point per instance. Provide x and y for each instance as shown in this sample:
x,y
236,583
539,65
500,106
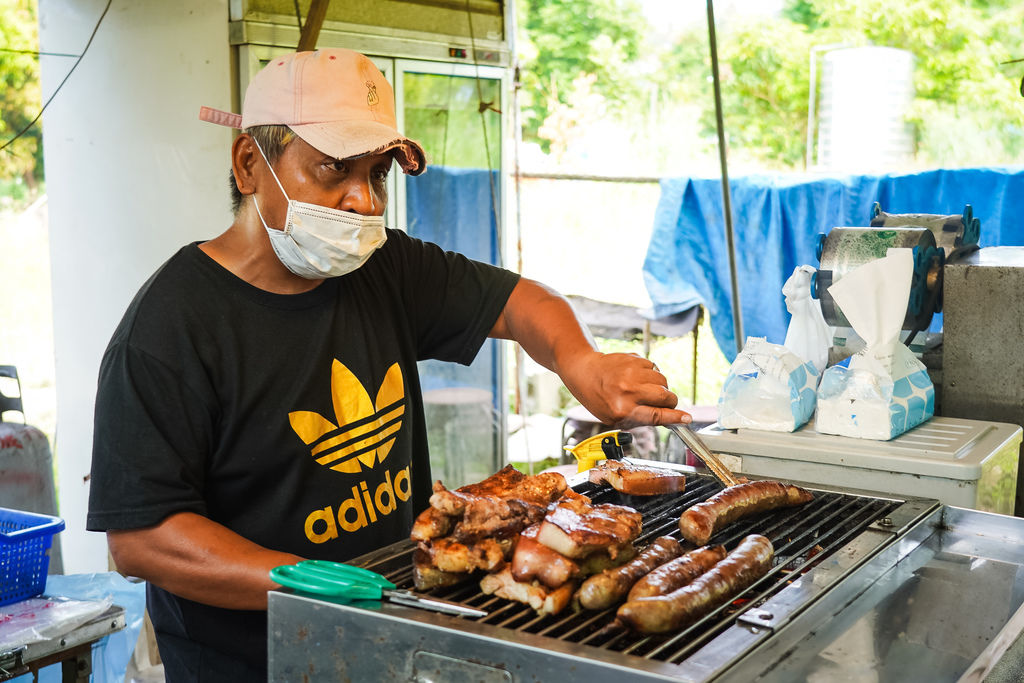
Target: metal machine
x,y
973,361
906,589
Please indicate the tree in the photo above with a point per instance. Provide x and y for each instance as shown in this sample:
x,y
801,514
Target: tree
x,y
563,40
966,110
19,82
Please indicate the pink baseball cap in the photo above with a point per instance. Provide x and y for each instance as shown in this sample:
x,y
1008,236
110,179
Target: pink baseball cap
x,y
336,100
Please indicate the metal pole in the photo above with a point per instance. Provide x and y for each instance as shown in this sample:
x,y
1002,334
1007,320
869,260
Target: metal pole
x,y
737,321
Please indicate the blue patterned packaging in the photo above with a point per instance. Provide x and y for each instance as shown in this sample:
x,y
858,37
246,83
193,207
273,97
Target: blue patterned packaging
x,y
884,390
768,387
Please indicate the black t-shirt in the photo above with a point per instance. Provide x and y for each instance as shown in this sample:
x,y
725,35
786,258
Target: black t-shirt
x,y
294,420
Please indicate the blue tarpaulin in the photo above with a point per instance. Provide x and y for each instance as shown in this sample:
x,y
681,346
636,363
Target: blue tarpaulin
x,y
776,220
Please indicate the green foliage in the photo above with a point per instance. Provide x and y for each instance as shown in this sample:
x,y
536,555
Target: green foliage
x,y
19,83
966,109
561,41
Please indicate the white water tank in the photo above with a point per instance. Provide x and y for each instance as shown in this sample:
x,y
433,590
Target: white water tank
x,y
865,98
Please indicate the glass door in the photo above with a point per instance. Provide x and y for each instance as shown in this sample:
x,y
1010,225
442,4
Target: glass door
x,y
454,111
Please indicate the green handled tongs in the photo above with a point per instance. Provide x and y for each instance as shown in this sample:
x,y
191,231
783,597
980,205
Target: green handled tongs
x,y
346,582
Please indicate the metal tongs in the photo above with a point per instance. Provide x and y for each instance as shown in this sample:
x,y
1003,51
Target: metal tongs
x,y
346,582
700,449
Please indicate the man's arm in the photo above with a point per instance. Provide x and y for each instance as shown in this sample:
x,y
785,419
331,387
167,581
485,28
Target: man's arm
x,y
621,389
200,560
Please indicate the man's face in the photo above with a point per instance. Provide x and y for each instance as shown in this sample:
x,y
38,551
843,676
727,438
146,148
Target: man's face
x,y
308,175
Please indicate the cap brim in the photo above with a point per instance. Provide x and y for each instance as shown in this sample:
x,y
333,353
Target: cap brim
x,y
347,139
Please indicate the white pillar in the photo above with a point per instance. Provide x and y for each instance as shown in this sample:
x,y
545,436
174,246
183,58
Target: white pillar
x,y
132,175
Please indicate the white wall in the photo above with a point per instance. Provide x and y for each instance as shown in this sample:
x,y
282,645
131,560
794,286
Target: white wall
x,y
132,175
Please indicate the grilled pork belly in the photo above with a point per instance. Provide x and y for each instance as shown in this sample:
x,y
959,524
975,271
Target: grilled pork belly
x,y
575,528
507,484
541,598
637,480
531,560
495,518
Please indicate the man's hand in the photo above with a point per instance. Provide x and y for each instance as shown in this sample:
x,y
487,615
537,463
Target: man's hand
x,y
620,389
623,390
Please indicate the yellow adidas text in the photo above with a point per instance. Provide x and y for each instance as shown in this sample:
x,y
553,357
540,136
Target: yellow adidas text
x,y
359,510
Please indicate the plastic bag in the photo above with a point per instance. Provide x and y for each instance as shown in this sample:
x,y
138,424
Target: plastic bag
x,y
768,387
808,335
111,654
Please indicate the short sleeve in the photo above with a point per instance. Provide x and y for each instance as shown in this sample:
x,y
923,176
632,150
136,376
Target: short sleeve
x,y
452,301
150,438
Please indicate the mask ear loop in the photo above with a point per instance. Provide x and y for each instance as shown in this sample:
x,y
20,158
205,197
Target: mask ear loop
x,y
279,185
271,168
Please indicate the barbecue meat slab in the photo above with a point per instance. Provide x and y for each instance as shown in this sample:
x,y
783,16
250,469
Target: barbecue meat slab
x,y
432,523
508,483
538,596
426,576
449,555
637,480
575,528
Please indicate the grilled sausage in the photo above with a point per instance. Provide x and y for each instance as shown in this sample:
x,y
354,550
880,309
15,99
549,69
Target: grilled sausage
x,y
605,589
738,571
700,522
677,573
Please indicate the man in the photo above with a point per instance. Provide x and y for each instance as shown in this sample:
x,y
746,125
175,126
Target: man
x,y
259,402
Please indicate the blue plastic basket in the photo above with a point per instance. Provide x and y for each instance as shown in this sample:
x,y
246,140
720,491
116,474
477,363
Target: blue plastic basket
x,y
24,539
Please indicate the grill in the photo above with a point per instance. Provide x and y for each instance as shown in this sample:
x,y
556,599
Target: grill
x,y
817,546
801,537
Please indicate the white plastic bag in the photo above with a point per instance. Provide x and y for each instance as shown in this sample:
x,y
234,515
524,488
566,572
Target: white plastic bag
x,y
808,335
768,387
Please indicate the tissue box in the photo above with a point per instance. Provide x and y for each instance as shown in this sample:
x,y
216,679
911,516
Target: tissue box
x,y
768,387
857,401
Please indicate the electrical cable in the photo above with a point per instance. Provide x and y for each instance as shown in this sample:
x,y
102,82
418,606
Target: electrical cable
x,y
66,77
37,53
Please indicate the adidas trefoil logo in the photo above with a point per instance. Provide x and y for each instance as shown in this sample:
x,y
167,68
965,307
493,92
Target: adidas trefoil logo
x,y
365,430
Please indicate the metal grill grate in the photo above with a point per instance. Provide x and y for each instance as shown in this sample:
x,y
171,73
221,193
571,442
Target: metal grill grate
x,y
801,536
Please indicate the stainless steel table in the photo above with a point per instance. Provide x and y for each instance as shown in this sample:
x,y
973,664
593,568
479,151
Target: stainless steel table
x,y
73,650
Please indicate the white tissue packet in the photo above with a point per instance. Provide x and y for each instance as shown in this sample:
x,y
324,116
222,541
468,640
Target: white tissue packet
x,y
768,387
883,390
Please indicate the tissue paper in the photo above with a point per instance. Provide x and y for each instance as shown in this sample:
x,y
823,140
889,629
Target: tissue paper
x,y
768,387
884,390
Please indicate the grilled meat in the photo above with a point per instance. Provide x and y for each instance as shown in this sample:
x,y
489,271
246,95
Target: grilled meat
x,y
507,483
426,576
576,528
637,480
676,573
534,561
738,571
449,555
700,522
536,595
610,586
531,560
432,523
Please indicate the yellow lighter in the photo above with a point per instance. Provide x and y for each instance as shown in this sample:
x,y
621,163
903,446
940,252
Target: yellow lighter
x,y
612,445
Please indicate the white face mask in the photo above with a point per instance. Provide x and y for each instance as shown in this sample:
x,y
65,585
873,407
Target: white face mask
x,y
318,242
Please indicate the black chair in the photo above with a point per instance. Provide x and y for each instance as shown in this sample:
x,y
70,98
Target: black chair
x,y
8,403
